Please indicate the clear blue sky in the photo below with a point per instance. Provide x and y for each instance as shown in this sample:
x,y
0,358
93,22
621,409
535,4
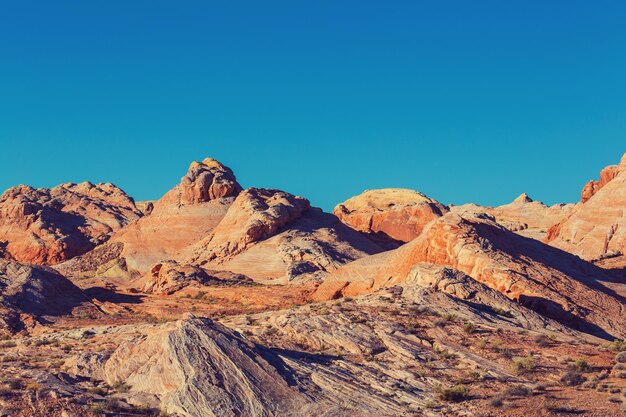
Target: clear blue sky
x,y
464,100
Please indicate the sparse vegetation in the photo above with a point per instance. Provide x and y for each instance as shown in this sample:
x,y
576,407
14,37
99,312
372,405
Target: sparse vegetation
x,y
572,378
470,328
524,365
617,345
542,341
457,393
121,387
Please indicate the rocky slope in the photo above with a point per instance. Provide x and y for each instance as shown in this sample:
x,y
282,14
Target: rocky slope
x,y
32,295
523,215
596,229
183,216
397,213
48,226
272,235
547,280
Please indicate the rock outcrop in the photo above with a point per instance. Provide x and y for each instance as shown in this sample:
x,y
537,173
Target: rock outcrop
x,y
397,213
547,280
523,216
48,226
205,181
185,215
310,245
606,175
596,229
199,368
256,214
31,295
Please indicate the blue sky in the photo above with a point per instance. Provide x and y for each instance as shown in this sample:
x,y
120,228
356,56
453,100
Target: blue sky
x,y
466,101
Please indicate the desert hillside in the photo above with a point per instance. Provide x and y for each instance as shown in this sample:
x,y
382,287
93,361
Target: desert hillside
x,y
223,301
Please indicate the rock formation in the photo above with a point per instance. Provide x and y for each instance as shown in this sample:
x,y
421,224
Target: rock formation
x,y
523,216
596,229
182,217
547,280
310,243
205,181
48,226
30,294
398,213
256,214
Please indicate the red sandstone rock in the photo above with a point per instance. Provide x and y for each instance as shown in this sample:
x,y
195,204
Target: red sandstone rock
x,y
597,228
398,213
48,226
547,280
523,216
256,214
205,181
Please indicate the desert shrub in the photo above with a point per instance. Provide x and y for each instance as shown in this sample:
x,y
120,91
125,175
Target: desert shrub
x,y
33,386
121,387
524,365
8,344
542,340
448,316
455,394
97,391
615,399
581,365
517,391
621,357
497,401
470,328
572,378
502,312
617,345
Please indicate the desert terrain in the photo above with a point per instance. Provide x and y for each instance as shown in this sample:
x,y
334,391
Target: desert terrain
x,y
220,301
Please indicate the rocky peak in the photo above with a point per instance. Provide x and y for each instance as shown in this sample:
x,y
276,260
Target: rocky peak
x,y
256,214
398,213
523,199
207,180
51,225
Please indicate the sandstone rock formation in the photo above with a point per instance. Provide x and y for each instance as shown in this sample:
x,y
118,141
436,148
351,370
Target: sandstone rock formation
x,y
30,294
182,217
198,368
310,246
606,175
596,229
398,213
205,181
48,226
168,277
549,281
523,216
256,214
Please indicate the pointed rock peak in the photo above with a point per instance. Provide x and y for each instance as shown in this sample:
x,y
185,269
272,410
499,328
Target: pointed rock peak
x,y
208,180
522,199
622,163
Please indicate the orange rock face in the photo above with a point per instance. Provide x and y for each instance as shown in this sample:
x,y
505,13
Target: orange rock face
x,y
592,187
523,216
256,214
48,226
205,181
596,229
185,215
398,213
547,280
